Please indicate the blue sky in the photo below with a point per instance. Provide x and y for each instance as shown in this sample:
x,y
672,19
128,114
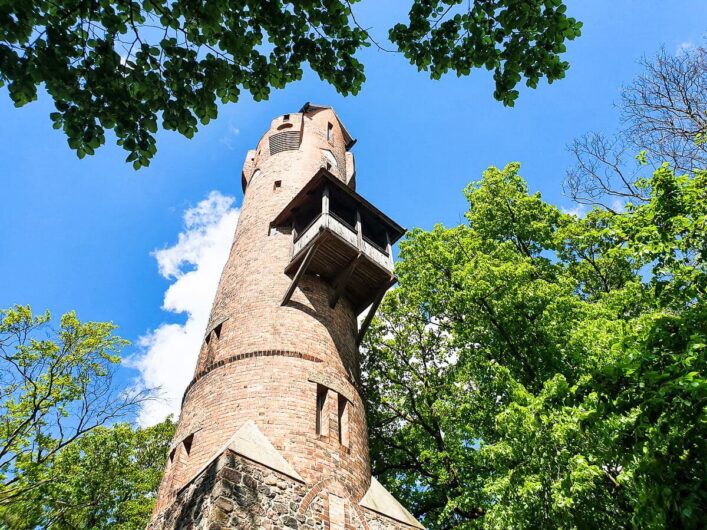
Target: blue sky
x,y
81,234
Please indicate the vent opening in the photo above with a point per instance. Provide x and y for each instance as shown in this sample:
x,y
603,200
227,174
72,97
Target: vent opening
x,y
284,141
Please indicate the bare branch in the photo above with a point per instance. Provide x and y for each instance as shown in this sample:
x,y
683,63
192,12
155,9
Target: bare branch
x,y
664,115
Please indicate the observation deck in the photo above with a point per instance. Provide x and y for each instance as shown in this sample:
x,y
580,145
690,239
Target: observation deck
x,y
340,236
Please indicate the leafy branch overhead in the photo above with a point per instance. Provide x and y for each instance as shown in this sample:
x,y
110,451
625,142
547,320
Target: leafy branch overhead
x,y
126,66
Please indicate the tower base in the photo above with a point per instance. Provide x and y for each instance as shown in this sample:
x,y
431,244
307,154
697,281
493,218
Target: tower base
x,y
261,491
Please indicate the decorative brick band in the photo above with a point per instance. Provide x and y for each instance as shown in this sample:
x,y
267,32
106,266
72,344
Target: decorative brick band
x,y
249,355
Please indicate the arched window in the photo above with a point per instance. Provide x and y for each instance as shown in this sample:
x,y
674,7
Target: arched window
x,y
330,159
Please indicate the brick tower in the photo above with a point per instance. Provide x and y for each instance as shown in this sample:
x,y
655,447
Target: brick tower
x,y
272,432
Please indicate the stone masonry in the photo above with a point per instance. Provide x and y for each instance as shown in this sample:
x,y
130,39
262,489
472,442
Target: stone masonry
x,y
272,432
234,492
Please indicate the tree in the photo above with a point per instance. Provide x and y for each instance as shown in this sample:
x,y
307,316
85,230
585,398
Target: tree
x,y
537,370
124,65
664,118
56,386
107,479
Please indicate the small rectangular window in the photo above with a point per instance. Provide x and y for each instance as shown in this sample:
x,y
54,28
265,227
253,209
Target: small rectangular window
x,y
344,421
277,184
329,131
286,117
321,427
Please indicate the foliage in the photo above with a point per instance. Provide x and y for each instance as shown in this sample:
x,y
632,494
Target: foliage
x,y
445,35
55,387
107,479
664,116
538,370
123,66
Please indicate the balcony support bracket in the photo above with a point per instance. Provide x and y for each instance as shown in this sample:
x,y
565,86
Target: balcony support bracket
x,y
302,268
373,309
342,279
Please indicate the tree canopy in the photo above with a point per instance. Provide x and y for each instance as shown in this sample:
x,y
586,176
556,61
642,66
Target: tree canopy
x,y
534,369
125,66
106,480
56,386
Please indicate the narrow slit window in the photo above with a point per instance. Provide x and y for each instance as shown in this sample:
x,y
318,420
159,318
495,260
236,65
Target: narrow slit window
x,y
188,443
329,132
171,455
344,438
217,330
321,410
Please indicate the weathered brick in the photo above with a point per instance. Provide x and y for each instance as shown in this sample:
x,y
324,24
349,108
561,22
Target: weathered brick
x,y
261,361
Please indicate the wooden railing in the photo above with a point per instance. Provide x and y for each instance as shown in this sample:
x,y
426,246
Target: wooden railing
x,y
345,232
375,245
306,228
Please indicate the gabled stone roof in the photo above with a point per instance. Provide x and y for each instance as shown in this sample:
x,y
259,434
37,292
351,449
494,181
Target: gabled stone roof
x,y
378,499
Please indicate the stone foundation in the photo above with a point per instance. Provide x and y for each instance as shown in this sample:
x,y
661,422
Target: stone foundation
x,y
234,492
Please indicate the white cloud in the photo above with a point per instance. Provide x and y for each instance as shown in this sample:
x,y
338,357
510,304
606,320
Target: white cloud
x,y
581,210
685,46
168,353
227,143
617,204
226,140
578,210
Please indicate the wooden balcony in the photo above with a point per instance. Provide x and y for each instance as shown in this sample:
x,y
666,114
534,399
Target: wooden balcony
x,y
342,238
339,227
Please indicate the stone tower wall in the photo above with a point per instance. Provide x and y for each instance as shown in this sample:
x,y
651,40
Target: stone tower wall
x,y
265,362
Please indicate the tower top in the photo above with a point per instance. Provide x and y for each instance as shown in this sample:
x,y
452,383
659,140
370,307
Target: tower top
x,y
348,139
